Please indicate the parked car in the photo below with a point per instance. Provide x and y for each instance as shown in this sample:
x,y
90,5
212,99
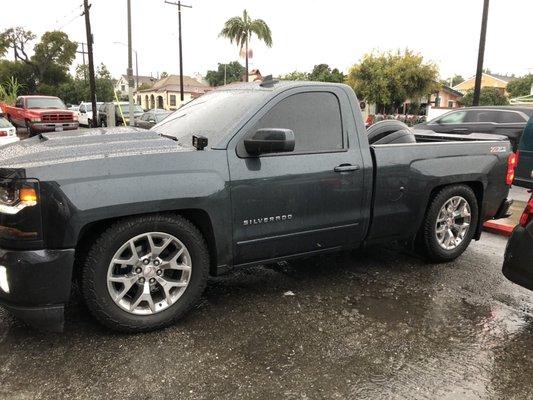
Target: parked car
x,y
122,113
247,174
509,121
8,133
85,113
39,114
524,168
518,259
151,117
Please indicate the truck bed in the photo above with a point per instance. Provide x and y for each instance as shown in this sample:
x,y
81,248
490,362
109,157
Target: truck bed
x,y
406,174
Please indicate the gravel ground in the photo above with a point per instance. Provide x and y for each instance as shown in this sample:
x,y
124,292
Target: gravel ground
x,y
377,324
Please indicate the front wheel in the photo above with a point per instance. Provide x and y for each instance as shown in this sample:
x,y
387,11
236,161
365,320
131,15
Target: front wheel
x,y
28,129
450,223
144,273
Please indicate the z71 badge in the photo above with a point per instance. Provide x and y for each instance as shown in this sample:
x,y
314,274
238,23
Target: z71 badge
x,y
266,220
498,149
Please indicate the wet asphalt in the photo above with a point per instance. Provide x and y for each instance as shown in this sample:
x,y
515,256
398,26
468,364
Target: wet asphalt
x,y
378,324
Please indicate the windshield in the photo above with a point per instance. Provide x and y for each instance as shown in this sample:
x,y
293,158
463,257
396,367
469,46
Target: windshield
x,y
211,115
4,123
45,102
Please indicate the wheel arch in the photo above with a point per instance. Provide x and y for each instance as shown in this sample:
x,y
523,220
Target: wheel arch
x,y
198,217
478,189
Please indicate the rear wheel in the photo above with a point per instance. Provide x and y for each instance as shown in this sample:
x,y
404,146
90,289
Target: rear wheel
x,y
450,223
144,273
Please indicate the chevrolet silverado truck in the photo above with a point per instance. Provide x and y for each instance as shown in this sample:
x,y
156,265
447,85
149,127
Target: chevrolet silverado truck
x,y
248,174
38,114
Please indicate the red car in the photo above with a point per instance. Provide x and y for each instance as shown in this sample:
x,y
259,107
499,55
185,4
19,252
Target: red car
x,y
40,114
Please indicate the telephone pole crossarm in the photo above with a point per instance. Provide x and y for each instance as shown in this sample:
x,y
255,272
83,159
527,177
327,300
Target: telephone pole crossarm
x,y
182,97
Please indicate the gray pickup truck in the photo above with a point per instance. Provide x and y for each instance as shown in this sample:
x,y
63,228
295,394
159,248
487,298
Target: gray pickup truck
x,y
247,174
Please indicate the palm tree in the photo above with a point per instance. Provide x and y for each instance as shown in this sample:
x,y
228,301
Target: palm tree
x,y
241,29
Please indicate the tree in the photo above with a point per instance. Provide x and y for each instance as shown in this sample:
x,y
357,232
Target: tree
x,y
520,86
295,76
389,79
489,96
53,56
234,72
457,79
164,74
323,73
240,31
16,38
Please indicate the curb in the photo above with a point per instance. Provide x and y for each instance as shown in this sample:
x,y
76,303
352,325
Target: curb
x,y
498,228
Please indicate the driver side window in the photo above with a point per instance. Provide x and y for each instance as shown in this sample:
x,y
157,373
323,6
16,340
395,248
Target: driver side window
x,y
314,117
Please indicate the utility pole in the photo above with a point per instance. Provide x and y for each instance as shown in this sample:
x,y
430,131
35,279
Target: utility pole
x,y
92,83
180,47
481,53
130,69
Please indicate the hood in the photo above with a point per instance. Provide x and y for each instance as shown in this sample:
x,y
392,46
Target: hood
x,y
76,146
42,111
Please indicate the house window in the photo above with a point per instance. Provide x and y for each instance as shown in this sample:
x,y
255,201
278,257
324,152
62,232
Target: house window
x,y
172,100
122,88
450,103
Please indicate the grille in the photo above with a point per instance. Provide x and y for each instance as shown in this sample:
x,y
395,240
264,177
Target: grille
x,y
56,117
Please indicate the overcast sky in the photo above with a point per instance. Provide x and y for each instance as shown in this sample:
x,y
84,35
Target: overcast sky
x,y
305,33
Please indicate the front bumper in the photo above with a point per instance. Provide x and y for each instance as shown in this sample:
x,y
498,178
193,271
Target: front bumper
x,y
41,127
37,285
517,265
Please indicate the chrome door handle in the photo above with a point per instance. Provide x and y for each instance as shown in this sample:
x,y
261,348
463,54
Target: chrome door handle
x,y
346,168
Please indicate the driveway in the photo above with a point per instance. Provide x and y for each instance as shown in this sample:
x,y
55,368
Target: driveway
x,y
377,324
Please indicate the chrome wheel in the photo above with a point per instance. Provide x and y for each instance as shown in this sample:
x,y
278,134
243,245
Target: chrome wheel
x,y
149,273
453,223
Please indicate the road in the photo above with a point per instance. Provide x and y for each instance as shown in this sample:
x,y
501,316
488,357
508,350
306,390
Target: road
x,y
377,324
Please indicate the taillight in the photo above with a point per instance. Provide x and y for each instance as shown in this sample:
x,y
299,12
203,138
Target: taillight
x,y
3,133
512,161
527,215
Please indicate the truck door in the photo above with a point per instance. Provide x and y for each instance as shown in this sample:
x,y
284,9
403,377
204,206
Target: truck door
x,y
302,201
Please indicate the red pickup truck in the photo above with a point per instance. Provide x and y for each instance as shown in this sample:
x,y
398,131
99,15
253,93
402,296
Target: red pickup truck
x,y
40,114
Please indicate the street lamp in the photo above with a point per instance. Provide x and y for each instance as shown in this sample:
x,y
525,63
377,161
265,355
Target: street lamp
x,y
136,63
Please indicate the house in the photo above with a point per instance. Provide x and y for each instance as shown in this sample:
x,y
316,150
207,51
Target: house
x,y
121,86
165,93
487,80
446,97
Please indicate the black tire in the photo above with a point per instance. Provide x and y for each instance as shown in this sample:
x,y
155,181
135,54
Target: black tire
x,y
28,129
428,236
102,123
95,266
89,123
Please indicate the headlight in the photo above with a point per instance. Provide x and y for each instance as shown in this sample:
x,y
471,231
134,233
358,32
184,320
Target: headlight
x,y
15,196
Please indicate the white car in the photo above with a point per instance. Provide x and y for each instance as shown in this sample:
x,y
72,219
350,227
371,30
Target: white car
x,y
8,133
85,112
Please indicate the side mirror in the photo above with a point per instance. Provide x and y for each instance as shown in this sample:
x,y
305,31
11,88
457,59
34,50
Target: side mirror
x,y
270,140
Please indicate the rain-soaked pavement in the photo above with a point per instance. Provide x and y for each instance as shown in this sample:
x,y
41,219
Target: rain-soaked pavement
x,y
379,324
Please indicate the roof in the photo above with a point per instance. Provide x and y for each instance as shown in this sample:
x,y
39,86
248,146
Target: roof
x,y
171,83
277,85
525,109
452,91
142,78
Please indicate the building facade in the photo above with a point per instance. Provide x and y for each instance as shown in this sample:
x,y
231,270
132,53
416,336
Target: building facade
x,y
121,86
487,80
165,93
